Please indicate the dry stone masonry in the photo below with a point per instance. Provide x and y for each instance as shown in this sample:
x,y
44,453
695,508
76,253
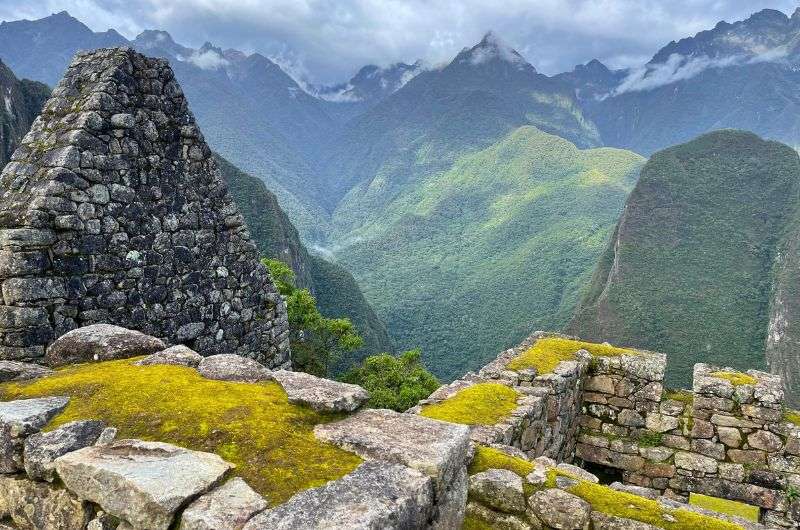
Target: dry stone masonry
x,y
114,212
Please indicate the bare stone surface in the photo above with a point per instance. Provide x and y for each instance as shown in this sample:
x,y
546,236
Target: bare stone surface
x,y
100,342
377,495
143,483
231,367
320,394
601,521
17,371
560,510
499,489
42,448
19,419
228,507
433,447
178,355
33,505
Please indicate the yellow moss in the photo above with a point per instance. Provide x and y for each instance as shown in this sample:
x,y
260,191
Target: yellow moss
x,y
251,425
736,378
547,352
684,396
621,504
491,458
480,404
792,416
473,522
725,506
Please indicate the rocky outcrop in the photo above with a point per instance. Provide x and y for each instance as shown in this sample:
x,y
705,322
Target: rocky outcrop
x,y
100,342
113,211
18,419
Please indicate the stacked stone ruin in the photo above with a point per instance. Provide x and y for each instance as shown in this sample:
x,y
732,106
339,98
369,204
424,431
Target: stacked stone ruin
x,y
113,211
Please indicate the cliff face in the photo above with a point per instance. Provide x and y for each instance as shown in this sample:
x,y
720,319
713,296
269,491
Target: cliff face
x,y
689,268
113,211
20,103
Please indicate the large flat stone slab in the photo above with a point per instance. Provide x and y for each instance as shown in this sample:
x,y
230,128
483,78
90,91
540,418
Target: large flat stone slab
x,y
231,367
375,495
100,342
435,448
143,483
19,419
230,506
320,394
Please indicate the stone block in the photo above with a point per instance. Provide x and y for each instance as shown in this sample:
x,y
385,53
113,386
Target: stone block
x,y
42,448
16,290
17,371
499,489
231,367
142,483
730,436
100,342
765,441
31,505
320,394
19,419
661,423
695,462
375,495
175,355
228,507
560,510
740,456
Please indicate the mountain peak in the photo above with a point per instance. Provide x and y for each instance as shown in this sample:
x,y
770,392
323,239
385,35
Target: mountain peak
x,y
492,48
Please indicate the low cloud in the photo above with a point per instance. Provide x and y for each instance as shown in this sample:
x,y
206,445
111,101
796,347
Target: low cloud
x,y
680,68
207,60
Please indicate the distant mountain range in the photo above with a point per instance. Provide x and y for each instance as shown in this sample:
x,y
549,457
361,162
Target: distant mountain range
x,y
22,100
471,200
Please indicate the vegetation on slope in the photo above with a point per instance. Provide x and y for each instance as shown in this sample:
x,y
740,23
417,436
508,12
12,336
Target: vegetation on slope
x,y
689,269
337,293
726,506
251,425
393,382
468,261
21,103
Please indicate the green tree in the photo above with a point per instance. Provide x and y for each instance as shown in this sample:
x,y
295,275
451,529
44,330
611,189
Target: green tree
x,y
394,382
316,341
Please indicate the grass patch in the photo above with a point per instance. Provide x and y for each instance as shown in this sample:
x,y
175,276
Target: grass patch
x,y
547,352
481,404
251,425
629,506
736,378
728,507
792,416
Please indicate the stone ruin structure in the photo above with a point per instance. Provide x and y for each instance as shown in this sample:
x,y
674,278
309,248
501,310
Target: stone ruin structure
x,y
113,211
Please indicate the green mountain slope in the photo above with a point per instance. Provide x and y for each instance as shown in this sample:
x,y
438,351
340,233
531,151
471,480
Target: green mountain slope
x,y
689,269
20,104
470,260
336,291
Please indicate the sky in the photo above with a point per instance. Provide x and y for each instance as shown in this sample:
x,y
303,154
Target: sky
x,y
327,41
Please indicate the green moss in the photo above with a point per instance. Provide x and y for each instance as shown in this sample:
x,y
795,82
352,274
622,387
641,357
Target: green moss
x,y
491,458
629,506
547,352
252,425
650,438
792,416
725,506
736,378
481,404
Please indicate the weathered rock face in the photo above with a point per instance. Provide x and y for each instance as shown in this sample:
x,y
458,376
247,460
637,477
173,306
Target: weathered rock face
x,y
100,342
230,506
19,419
320,394
113,211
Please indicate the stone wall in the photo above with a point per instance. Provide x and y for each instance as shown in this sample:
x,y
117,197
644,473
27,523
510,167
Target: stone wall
x,y
113,211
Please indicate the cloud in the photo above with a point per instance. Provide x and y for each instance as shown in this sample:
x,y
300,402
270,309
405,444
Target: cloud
x,y
680,68
207,60
332,39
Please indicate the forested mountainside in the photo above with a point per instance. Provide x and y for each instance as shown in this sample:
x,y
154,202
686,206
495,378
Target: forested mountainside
x,y
336,291
689,269
469,259
22,100
365,169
